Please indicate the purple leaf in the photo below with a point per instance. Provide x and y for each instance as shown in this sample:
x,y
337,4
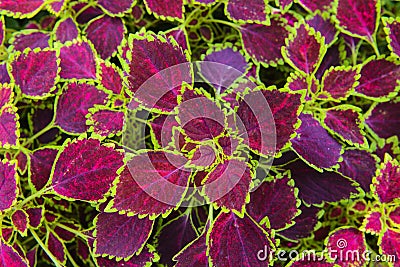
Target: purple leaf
x,y
384,119
106,34
392,30
35,216
311,260
205,2
107,122
152,174
66,30
31,257
2,30
35,73
314,144
324,26
87,14
181,37
390,245
31,40
387,181
120,235
193,254
9,127
379,78
56,247
316,187
358,17
263,43
110,77
196,121
116,8
41,162
77,61
74,104
304,50
85,170
21,8
228,185
241,245
395,216
203,156
20,220
298,82
372,223
162,127
314,5
257,120
6,94
273,200
8,185
345,121
344,241
57,6
4,76
304,224
254,10
150,55
339,82
285,4
145,258
165,9
360,166
173,237
10,257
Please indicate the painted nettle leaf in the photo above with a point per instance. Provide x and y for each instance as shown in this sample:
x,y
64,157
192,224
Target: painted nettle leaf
x,y
199,133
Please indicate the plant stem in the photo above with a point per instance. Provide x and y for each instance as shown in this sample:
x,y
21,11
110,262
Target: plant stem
x,y
35,195
72,231
224,22
45,249
36,135
374,45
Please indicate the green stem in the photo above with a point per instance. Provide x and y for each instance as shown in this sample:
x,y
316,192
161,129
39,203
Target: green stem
x,y
42,131
375,46
74,231
31,197
224,22
71,259
45,249
210,213
90,4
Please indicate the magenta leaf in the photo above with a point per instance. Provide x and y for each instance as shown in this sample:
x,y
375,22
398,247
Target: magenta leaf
x,y
4,76
196,120
116,9
344,241
145,258
318,187
339,82
165,9
35,215
379,79
74,104
387,181
85,170
56,247
254,10
31,40
314,5
244,240
175,235
203,156
346,122
9,127
6,95
161,174
389,244
395,216
21,9
121,236
10,257
194,254
274,200
228,185
106,34
77,61
372,222
36,73
263,43
311,260
57,6
324,26
304,224
8,184
2,30
87,13
285,4
106,122
360,166
152,54
20,221
162,127
331,58
384,119
110,77
304,50
392,30
31,257
181,37
40,168
358,17
315,145
66,30
298,82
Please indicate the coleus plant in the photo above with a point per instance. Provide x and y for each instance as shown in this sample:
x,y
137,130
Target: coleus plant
x,y
199,133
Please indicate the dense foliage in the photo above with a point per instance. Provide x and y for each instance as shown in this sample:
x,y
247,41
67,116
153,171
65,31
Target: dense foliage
x,y
199,133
